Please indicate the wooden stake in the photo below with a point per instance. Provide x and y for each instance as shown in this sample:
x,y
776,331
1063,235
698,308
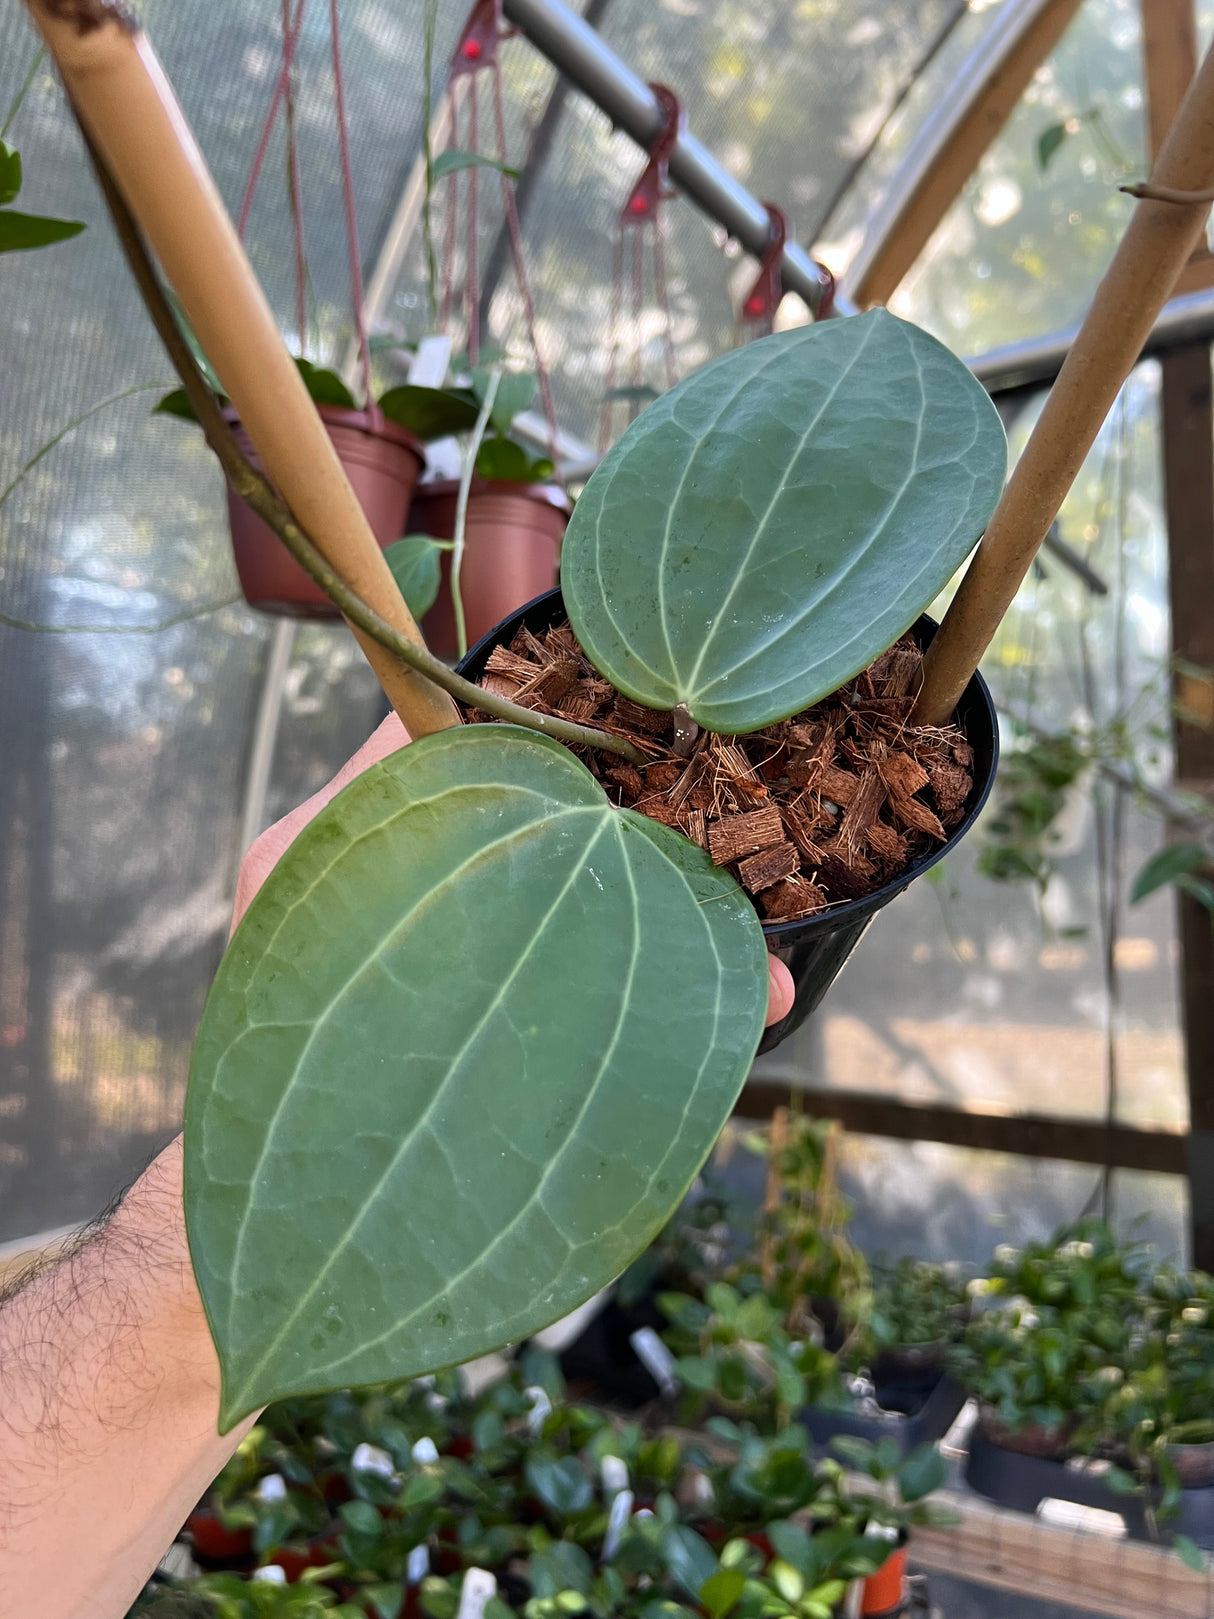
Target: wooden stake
x,y
126,104
1158,242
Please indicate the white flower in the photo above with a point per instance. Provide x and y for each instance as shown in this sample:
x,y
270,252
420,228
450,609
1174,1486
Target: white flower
x,y
1194,1315
1076,1250
1005,1254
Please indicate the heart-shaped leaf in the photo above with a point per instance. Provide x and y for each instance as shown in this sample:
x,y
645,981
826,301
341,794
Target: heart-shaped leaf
x,y
430,412
19,232
416,563
463,1056
766,528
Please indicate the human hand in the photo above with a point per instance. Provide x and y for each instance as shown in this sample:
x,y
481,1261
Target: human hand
x,y
273,843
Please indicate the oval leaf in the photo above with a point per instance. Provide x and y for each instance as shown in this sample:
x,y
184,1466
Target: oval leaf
x,y
455,162
324,387
430,412
769,526
466,1051
19,232
1167,865
10,173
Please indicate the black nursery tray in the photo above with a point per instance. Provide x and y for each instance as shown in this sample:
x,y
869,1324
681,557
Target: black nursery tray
x,y
925,1422
1024,1482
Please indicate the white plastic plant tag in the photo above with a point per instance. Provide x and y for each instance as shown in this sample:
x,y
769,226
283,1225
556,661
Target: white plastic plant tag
x,y
271,1488
271,1574
428,367
541,1408
425,1451
656,1359
479,1585
1091,1520
371,1459
614,1472
418,1564
617,1518
571,1327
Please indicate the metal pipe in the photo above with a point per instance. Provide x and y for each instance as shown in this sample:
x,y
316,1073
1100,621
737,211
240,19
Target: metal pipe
x,y
1036,362
577,51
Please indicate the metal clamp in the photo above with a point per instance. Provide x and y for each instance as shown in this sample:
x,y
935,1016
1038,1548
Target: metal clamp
x,y
653,187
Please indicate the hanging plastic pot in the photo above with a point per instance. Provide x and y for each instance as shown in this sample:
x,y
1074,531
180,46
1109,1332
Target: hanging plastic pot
x,y
512,551
383,463
815,949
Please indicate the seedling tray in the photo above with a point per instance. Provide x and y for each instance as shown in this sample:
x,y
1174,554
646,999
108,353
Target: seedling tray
x,y
924,1425
1023,1482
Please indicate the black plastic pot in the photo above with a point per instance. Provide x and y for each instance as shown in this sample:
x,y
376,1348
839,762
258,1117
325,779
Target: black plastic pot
x,y
928,1418
1023,1482
816,949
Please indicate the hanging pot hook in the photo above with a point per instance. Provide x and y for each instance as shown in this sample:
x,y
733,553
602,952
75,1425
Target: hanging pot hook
x,y
653,186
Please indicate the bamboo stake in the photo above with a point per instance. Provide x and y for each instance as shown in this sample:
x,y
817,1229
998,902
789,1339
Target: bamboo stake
x,y
127,106
1158,242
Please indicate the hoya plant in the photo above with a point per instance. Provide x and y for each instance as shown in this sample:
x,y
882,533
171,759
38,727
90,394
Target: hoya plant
x,y
479,1030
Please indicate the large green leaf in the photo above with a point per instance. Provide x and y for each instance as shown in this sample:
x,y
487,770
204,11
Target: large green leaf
x,y
19,232
463,1056
766,528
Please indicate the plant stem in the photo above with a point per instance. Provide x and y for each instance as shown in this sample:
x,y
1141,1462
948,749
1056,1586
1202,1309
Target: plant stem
x,y
258,493
76,421
15,107
461,508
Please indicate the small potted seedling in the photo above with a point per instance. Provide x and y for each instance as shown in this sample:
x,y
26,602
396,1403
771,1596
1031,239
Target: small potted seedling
x,y
918,1310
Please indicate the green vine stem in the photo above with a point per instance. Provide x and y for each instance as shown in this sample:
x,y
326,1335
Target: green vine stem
x,y
461,508
257,492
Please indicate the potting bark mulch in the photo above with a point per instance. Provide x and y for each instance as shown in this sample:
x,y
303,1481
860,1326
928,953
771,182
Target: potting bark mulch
x,y
814,811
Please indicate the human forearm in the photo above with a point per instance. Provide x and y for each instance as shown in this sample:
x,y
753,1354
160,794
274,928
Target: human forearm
x,y
109,1392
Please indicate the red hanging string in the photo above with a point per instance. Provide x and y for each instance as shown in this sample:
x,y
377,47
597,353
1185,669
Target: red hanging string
x,y
520,268
472,280
347,182
293,182
613,342
290,41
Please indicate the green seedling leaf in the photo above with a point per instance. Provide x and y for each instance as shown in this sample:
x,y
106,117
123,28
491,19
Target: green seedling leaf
x,y
690,1559
430,412
501,459
922,1472
19,232
453,162
515,391
1190,1553
176,403
1174,861
720,1593
1048,142
466,1051
324,387
10,174
560,1482
416,563
765,529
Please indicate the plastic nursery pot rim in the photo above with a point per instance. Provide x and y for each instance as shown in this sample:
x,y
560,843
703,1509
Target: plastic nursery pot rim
x,y
824,941
542,493
361,421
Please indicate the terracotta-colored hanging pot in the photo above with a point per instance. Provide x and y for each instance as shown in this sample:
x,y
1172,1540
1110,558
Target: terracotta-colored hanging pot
x,y
383,463
512,551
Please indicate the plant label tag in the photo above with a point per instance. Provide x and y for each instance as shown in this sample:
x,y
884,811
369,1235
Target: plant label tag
x,y
656,1359
418,1565
541,1409
1091,1520
621,1511
425,1451
614,1473
372,1459
272,1488
479,1585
